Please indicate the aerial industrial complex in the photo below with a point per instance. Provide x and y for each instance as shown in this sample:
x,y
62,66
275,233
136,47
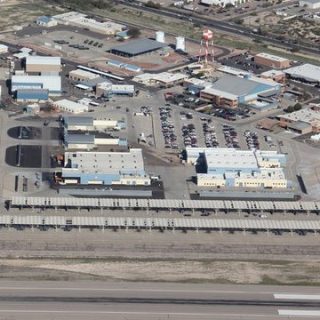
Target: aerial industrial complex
x,y
178,128
173,141
116,112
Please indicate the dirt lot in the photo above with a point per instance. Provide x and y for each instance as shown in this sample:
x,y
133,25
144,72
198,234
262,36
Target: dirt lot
x,y
154,256
21,12
215,271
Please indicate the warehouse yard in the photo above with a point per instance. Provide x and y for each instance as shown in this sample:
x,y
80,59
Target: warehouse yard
x,y
65,39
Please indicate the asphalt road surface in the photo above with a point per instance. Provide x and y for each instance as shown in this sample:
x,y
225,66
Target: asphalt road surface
x,y
110,300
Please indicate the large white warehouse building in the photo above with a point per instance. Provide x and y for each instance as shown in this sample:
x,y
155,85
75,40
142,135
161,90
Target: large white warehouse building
x,y
227,167
105,168
36,82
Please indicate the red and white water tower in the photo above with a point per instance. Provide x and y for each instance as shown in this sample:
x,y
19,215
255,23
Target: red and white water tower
x,y
206,48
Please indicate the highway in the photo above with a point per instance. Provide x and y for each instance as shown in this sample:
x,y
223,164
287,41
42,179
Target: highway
x,y
222,26
113,300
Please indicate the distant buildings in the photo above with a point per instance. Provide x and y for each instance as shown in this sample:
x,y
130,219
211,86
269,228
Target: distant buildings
x,y
222,3
105,168
271,61
45,21
81,20
232,168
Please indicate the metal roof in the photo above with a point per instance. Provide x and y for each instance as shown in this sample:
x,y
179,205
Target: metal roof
x,y
171,223
164,203
138,46
78,138
43,60
78,121
239,86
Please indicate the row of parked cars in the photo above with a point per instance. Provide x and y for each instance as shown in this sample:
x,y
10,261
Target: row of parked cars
x,y
93,43
231,136
167,127
252,140
189,135
210,136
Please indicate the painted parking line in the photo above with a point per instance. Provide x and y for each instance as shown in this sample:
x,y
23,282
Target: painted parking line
x,y
299,313
297,296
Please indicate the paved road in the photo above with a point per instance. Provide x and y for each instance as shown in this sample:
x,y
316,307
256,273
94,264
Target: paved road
x,y
97,300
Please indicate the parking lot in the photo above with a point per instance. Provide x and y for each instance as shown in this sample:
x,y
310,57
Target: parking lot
x,y
244,62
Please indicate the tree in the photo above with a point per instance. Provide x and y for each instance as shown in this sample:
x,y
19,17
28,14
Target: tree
x,y
290,109
297,106
238,21
229,5
153,5
134,32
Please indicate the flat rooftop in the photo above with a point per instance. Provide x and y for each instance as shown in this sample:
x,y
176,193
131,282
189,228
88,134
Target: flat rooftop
x,y
307,71
43,60
307,115
230,158
234,87
272,73
271,57
79,138
106,162
82,73
78,121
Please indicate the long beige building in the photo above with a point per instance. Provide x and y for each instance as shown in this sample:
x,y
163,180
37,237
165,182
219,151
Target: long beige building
x,y
43,65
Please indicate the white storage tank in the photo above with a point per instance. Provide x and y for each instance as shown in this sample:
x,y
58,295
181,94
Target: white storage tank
x,y
160,36
180,44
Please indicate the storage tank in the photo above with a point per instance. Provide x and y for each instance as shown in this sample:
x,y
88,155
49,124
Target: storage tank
x,y
160,36
180,44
